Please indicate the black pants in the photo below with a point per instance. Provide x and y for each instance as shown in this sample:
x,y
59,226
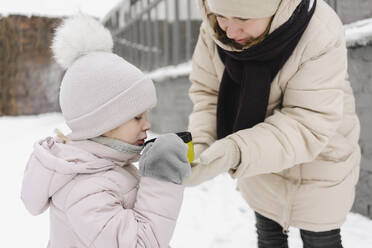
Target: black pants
x,y
270,235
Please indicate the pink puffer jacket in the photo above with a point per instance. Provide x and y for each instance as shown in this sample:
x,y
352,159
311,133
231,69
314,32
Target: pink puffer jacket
x,y
95,197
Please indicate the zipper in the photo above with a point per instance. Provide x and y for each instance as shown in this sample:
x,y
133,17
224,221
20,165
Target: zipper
x,y
290,202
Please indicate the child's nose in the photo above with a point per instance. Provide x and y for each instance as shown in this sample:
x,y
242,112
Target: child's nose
x,y
147,125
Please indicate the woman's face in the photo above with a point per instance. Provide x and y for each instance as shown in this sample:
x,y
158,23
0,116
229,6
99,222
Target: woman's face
x,y
241,30
133,131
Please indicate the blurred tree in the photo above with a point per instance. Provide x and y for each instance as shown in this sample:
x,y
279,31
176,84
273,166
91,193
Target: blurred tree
x,y
29,78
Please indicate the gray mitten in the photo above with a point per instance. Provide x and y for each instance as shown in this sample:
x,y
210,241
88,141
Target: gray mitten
x,y
165,159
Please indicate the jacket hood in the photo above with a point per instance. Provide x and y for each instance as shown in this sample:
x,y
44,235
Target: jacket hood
x,y
282,15
54,163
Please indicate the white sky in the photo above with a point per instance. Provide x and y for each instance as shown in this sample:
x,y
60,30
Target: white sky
x,y
53,8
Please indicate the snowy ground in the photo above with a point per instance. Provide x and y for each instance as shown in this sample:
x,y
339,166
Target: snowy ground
x,y
213,215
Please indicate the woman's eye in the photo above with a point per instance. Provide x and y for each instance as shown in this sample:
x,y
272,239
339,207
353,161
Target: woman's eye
x,y
220,18
138,118
221,22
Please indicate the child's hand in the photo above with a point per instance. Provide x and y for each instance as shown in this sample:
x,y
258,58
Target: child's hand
x,y
165,159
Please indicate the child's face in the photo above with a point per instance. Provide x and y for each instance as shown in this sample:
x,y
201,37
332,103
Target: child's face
x,y
133,131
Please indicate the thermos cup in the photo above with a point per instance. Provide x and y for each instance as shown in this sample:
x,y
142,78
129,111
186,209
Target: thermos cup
x,y
187,138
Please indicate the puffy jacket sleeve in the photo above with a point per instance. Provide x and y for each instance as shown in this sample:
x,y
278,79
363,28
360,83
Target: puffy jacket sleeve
x,y
100,218
35,186
311,112
203,93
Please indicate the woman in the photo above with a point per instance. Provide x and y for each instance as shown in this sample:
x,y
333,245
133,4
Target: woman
x,y
273,107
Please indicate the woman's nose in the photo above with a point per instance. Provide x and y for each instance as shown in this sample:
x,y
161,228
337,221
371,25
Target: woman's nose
x,y
232,31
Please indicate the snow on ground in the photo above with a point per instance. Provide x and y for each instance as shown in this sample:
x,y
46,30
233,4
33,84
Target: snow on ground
x,y
213,215
173,71
56,8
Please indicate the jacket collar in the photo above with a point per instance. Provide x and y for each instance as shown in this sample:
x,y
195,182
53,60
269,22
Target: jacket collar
x,y
113,150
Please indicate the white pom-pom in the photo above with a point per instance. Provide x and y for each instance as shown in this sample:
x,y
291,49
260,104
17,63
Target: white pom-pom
x,y
80,35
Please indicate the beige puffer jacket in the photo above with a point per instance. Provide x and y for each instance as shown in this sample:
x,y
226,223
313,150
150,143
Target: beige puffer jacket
x,y
300,166
96,198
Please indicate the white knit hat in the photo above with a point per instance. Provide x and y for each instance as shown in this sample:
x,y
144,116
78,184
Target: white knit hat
x,y
100,90
244,8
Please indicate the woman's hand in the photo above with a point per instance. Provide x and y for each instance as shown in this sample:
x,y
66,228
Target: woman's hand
x,y
222,156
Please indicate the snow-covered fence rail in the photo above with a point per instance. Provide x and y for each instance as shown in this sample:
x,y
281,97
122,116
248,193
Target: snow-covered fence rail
x,y
154,33
359,33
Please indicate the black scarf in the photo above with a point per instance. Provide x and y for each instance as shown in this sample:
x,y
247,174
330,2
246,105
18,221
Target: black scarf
x,y
245,86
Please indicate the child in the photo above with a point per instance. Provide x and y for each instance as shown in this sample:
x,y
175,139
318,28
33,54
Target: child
x,y
95,196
